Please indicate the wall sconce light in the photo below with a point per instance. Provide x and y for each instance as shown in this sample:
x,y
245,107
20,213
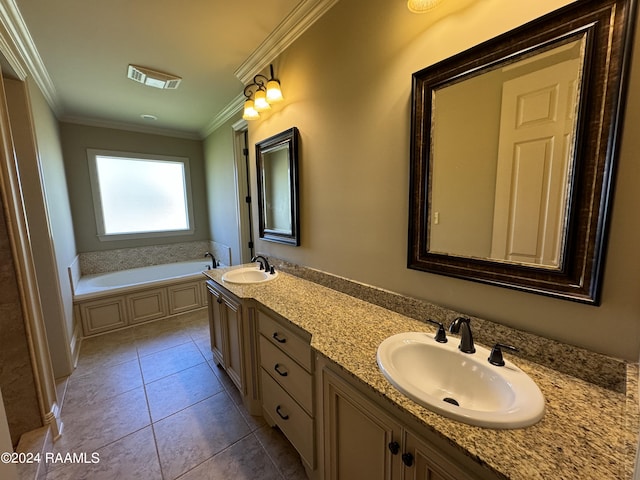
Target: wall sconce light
x,y
264,91
422,6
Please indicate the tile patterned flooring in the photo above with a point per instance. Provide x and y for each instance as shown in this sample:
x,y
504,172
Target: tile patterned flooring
x,y
153,404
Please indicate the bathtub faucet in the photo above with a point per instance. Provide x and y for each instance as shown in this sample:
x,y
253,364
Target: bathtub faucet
x,y
214,264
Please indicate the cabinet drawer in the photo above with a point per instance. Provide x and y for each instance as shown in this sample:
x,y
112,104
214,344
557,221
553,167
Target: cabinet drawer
x,y
289,416
286,340
291,376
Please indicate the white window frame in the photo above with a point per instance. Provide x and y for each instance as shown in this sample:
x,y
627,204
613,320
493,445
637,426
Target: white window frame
x,y
97,201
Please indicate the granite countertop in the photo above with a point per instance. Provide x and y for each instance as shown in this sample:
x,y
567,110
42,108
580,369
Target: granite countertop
x,y
588,432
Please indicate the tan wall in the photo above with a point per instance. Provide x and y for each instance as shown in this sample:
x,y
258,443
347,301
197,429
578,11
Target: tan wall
x,y
465,166
222,188
75,141
16,372
347,87
59,326
60,228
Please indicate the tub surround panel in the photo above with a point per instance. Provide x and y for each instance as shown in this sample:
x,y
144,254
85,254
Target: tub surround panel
x,y
92,263
142,305
602,370
221,251
74,273
588,432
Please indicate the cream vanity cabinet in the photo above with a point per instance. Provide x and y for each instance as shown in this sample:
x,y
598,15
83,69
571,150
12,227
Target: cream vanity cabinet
x,y
363,441
227,333
286,374
340,428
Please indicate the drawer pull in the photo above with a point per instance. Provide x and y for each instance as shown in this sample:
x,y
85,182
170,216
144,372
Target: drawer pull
x,y
284,417
407,459
280,372
278,339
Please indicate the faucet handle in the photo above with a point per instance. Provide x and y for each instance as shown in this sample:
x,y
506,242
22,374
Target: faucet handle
x,y
495,358
441,334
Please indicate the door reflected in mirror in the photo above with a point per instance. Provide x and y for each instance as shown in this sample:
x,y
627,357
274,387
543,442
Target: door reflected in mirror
x,y
277,172
501,194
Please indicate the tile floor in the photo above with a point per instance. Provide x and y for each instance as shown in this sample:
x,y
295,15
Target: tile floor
x,y
151,402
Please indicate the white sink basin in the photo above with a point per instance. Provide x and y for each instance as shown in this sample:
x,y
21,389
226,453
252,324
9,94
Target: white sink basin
x,y
248,275
461,386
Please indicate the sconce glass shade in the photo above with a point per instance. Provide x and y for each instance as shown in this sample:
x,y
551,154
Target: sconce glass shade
x,y
260,101
274,94
422,6
250,112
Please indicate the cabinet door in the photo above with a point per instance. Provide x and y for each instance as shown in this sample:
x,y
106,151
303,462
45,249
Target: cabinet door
x,y
147,305
427,463
184,297
359,437
215,326
103,315
232,328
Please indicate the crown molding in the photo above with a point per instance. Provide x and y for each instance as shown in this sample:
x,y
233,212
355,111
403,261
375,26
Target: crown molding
x,y
26,52
225,114
14,63
129,127
294,25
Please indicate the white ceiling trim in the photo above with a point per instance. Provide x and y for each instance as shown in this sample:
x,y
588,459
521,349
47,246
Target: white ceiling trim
x,y
21,39
94,122
9,55
294,25
235,106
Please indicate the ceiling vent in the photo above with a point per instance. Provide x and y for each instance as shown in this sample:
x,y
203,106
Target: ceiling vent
x,y
151,78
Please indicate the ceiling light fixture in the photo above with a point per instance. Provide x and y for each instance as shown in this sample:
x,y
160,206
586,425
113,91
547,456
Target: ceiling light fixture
x,y
264,91
422,6
152,78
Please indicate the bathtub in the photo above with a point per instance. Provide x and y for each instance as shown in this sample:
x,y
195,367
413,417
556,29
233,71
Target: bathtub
x,y
115,300
90,285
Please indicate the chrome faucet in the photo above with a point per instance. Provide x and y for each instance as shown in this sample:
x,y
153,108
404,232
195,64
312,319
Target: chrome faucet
x,y
214,263
462,325
264,263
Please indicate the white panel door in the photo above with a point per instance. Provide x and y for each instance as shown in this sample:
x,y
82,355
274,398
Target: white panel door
x,y
536,131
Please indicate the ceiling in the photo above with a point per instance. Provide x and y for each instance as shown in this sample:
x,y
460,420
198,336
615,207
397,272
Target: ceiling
x,y
78,52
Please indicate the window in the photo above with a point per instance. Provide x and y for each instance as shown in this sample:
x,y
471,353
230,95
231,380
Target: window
x,y
137,195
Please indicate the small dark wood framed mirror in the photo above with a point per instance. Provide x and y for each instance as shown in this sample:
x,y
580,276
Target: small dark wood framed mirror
x,y
277,172
513,153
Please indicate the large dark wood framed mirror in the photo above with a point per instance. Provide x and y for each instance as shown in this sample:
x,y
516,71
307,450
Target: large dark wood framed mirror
x,y
277,172
513,153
